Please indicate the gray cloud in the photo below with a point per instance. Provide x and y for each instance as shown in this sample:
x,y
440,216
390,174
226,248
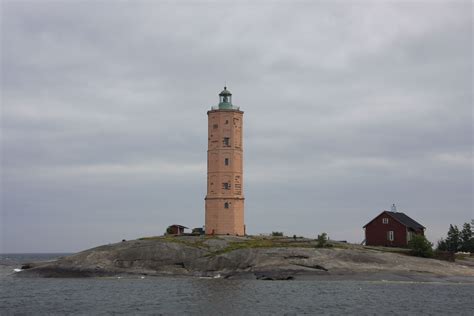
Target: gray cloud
x,y
348,108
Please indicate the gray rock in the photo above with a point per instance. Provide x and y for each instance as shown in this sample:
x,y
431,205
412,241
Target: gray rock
x,y
243,257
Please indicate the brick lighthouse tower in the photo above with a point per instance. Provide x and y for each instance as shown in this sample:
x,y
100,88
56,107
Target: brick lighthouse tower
x,y
225,199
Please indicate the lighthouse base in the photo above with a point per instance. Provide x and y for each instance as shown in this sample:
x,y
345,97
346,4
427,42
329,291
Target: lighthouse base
x,y
225,216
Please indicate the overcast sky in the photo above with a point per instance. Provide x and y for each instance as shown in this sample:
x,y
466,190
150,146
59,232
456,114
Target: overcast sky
x,y
350,106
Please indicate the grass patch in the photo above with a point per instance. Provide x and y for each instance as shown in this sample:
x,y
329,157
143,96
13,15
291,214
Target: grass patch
x,y
262,243
464,256
151,238
340,245
249,243
405,251
198,242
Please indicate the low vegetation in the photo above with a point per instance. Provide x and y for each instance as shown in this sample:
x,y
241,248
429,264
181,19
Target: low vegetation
x,y
404,251
194,242
322,241
263,242
420,246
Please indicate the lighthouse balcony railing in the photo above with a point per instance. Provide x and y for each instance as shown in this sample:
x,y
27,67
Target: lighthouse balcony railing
x,y
233,107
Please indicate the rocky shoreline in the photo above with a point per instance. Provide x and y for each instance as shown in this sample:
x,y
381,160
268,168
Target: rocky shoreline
x,y
262,258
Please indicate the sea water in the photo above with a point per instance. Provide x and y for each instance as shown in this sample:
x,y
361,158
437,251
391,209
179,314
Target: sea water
x,y
194,296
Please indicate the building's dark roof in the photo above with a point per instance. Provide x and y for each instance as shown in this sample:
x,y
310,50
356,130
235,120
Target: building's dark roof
x,y
225,92
406,220
403,219
176,225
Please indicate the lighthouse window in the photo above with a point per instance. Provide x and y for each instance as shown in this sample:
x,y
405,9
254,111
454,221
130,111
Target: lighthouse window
x,y
214,126
227,121
226,186
226,141
226,205
226,161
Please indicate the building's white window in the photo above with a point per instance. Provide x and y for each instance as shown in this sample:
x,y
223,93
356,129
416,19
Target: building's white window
x,y
385,220
409,235
390,235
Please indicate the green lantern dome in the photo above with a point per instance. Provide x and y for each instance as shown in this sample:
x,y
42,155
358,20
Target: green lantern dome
x,y
225,92
225,100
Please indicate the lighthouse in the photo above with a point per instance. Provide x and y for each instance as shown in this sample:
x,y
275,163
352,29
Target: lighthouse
x,y
225,195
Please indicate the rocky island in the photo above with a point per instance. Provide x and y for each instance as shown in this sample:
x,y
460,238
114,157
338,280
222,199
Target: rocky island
x,y
264,258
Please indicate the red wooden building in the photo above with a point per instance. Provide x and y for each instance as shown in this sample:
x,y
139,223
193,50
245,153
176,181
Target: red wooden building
x,y
175,229
392,229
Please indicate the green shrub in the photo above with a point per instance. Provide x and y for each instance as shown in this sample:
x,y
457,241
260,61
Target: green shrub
x,y
420,246
322,240
277,234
